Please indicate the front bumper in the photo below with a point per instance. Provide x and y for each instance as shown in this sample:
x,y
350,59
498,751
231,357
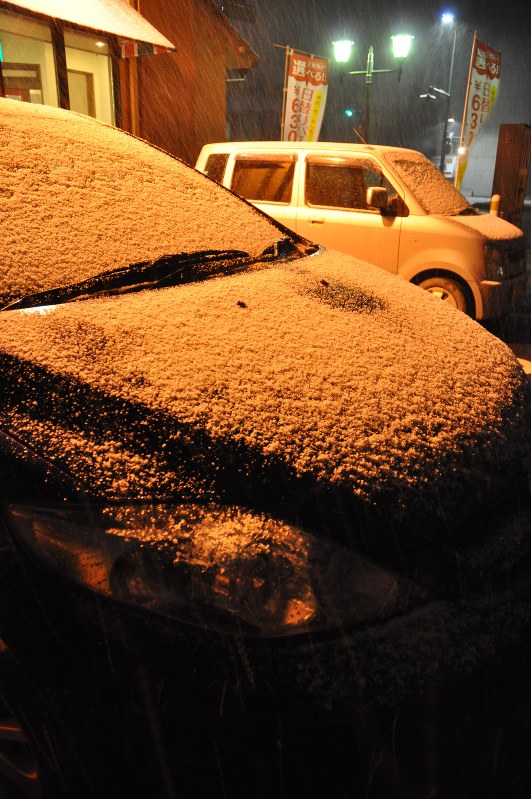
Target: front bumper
x,y
151,698
500,297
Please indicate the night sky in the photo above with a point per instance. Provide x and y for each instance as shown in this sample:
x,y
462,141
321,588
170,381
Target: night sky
x,y
398,116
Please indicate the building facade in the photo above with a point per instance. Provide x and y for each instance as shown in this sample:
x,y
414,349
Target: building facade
x,y
181,95
157,68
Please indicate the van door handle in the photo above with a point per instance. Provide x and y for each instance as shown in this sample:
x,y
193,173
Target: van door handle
x,y
319,220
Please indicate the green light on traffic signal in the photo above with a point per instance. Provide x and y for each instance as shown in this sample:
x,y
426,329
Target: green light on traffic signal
x,y
349,112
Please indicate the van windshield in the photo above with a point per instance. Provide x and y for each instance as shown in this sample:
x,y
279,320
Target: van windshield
x,y
431,189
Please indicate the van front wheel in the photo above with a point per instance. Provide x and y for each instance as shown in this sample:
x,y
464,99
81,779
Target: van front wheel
x,y
446,289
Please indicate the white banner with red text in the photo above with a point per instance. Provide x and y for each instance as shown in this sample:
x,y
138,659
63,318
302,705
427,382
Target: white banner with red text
x,y
305,100
484,84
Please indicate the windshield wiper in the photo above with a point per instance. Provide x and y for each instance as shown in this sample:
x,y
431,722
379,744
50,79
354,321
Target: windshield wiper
x,y
164,271
168,270
468,211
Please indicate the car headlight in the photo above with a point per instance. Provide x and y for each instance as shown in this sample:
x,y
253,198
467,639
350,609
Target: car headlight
x,y
212,565
494,263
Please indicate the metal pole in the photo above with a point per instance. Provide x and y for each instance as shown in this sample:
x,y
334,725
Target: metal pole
x,y
369,72
368,87
457,182
447,111
285,88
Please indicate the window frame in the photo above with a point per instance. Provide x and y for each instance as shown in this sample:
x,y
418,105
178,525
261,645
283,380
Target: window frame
x,y
346,160
265,157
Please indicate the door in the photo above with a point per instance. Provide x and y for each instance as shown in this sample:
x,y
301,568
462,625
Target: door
x,y
333,209
81,92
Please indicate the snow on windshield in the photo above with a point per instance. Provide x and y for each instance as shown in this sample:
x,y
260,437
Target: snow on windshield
x,y
78,198
434,193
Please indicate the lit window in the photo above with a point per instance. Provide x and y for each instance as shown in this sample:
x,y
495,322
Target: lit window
x,y
89,75
28,63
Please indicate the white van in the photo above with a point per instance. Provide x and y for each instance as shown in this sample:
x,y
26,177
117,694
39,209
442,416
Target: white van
x,y
386,205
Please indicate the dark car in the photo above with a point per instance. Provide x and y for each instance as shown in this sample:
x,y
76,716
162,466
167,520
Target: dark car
x,y
265,513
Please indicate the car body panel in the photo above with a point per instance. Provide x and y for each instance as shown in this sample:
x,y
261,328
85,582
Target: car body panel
x,y
263,363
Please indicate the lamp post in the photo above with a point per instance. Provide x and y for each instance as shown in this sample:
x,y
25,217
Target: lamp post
x,y
401,47
447,19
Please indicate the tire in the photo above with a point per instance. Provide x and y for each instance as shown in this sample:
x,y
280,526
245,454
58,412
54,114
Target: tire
x,y
447,290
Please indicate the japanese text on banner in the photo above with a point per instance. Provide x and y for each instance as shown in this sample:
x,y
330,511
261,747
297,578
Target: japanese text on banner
x,y
483,93
307,84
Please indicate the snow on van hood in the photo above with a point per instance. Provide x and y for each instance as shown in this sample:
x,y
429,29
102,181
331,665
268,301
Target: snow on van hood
x,y
491,227
437,196
319,380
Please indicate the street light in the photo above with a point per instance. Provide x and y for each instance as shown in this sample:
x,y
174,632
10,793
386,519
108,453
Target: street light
x,y
342,50
447,19
401,47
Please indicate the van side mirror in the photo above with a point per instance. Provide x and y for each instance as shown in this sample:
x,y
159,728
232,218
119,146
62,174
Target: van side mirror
x,y
377,197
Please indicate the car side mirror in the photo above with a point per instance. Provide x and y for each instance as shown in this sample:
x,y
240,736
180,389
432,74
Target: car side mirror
x,y
377,197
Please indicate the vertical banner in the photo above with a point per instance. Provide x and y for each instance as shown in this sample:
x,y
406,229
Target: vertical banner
x,y
483,88
305,89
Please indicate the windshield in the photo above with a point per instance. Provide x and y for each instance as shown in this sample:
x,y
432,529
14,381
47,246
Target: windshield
x,y
170,270
79,198
431,189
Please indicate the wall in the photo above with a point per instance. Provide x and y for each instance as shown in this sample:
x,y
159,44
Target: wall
x,y
182,95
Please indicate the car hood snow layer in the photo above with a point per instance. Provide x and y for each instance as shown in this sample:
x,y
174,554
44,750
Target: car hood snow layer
x,y
322,391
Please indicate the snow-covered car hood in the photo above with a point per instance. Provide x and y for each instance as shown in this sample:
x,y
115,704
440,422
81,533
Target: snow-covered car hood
x,y
320,389
491,228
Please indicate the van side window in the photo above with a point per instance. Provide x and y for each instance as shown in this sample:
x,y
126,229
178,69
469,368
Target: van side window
x,y
374,177
339,182
215,166
264,178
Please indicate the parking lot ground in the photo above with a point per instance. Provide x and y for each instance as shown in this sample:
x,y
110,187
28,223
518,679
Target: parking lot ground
x,y
516,329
